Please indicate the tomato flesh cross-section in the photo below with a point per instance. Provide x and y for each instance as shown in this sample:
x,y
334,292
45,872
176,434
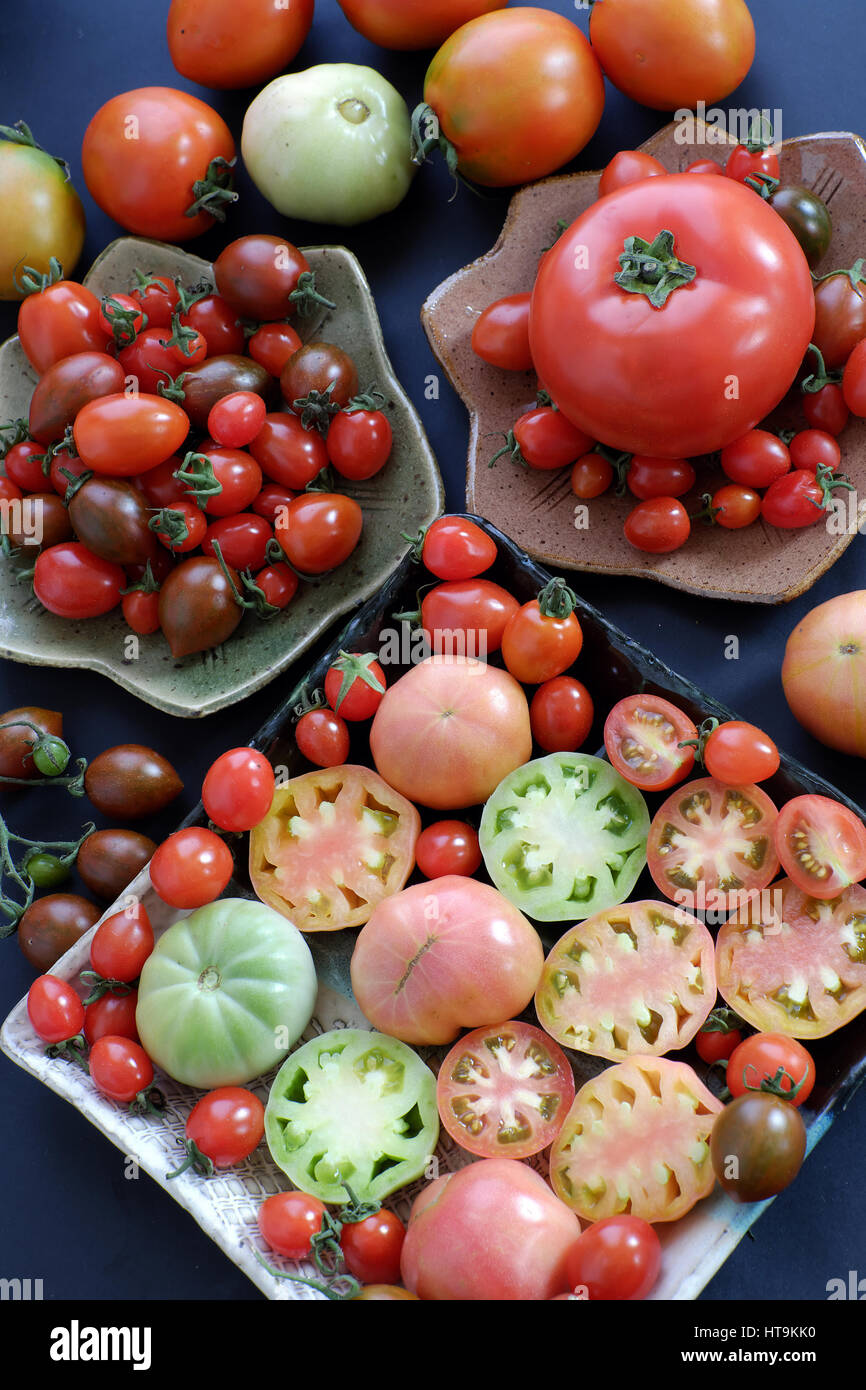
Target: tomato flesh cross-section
x,y
636,1141
639,978
794,964
643,735
335,843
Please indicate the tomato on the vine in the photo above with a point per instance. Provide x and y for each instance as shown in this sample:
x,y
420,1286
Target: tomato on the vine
x,y
738,753
372,1247
288,1221
448,847
238,789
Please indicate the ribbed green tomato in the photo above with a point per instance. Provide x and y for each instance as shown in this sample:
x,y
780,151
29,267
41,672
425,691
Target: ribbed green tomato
x,y
225,994
352,1107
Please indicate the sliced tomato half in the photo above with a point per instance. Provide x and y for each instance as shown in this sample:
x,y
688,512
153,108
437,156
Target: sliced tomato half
x,y
504,1091
711,847
636,1140
642,735
335,843
639,978
795,964
821,844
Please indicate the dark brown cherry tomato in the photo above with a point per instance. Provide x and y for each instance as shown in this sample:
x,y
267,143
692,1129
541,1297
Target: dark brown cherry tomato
x,y
110,859
197,607
66,387
824,410
757,1146
840,315
72,582
131,781
807,216
110,517
16,740
320,367
52,924
258,273
207,382
501,334
319,531
52,518
287,453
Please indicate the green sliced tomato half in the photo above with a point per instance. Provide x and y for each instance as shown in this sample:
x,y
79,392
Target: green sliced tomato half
x,y
564,837
352,1107
225,994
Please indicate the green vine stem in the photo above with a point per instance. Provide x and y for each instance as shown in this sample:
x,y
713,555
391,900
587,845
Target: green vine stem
x,y
820,378
211,193
12,909
306,298
197,473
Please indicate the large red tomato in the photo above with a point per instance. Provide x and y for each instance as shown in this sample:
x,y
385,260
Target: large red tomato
x,y
410,24
236,43
493,1230
518,93
824,672
444,955
448,731
680,357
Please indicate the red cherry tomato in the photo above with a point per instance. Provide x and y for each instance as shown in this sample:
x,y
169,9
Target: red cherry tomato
x,y
319,531
448,847
658,525
157,296
616,1258
756,459
546,440
359,443
854,380
215,319
322,737
239,476
372,1247
288,1221
794,501
54,1009
740,754
501,334
23,464
181,527
628,166
72,582
537,646
141,612
715,1045
649,477
243,540
355,685
704,166
743,163
272,345
111,1015
238,789
561,715
467,617
287,453
591,476
272,498
226,1125
457,549
191,867
279,584
812,449
121,944
764,1058
120,1068
123,435
735,506
826,409
236,419
59,321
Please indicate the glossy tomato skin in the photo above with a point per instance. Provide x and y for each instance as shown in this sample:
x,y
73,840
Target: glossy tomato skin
x,y
617,338
120,1068
824,671
518,93
287,453
319,531
826,409
561,714
591,476
121,944
547,439
207,382
854,380
323,738
225,44
658,525
227,1125
735,506
628,166
476,611
794,501
124,435
191,868
756,459
242,540
131,781
52,924
737,752
54,1009
323,368
840,317
111,1014
288,1221
648,477
712,1045
236,419
258,273
501,334
642,737
272,345
355,697
111,517
536,646
457,549
239,476
761,1057
238,789
821,845
197,606
394,24
617,1258
359,443
66,386
72,582
743,163
448,847
146,184
757,1146
23,465
17,741
110,859
58,322
372,1247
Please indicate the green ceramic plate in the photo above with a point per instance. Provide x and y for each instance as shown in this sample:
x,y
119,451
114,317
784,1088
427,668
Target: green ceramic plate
x,y
404,497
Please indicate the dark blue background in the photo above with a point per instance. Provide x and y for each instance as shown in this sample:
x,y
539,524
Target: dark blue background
x,y
68,1215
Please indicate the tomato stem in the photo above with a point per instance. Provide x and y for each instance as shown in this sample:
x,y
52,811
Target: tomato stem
x,y
556,600
763,184
196,1160
73,1050
215,189
122,321
511,447
652,269
351,1287
722,1020
372,400
699,744
772,1085
306,297
820,377
65,850
99,985
34,281
316,409
197,473
20,431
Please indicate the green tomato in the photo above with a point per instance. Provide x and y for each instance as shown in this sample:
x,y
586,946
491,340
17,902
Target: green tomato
x,y
46,870
225,994
51,757
331,144
352,1107
564,837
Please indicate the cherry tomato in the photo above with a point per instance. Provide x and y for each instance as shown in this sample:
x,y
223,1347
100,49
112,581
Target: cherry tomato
x,y
715,1045
197,605
160,486
141,611
658,525
761,1058
236,419
457,549
122,435
121,944
272,345
238,789
131,781
854,380
272,499
561,715
546,440
794,501
383,1293
54,1009
52,924
591,476
643,737
258,274
372,1247
649,477
743,163
501,334
279,584
191,867
319,531
157,296
322,368
288,1221
756,459
821,845
151,359
64,464
17,741
181,527
467,617
826,409
59,321
109,860
215,319
287,453
359,442
23,464
242,540
448,847
72,582
735,506
616,1258
239,476
704,166
111,1015
840,314
812,449
121,316
355,685
628,166
757,1146
536,645
740,754
226,1125
120,1068
322,737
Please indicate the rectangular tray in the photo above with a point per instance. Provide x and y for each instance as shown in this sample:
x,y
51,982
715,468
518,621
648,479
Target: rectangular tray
x,y
225,1206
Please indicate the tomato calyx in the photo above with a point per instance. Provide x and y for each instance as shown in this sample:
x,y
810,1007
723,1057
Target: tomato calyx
x,y
556,600
305,297
147,584
171,389
122,321
195,1159
323,481
198,476
856,274
760,137
214,190
183,337
99,984
20,432
652,269
699,744
256,602
72,1050
723,1020
21,134
562,225
764,185
326,1251
708,512
821,377
317,409
772,1085
426,137
828,481
32,281
355,666
150,1101
171,525
372,400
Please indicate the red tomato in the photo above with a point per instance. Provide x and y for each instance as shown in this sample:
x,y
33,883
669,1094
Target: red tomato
x,y
279,584
225,44
545,439
448,847
226,1125
501,334
608,383
143,153
271,500
821,845
756,459
121,944
215,319
120,1068
372,1247
659,525
824,671
648,477
628,166
111,1015
704,166
319,531
66,387
359,442
191,867
160,486
762,1058
642,736
323,738
181,527
457,549
812,449
854,380
561,715
504,1091
141,612
272,345
151,360
826,409
64,464
744,162
394,24
715,1045
794,501
617,1258
735,506
123,435
288,1221
355,685
242,539
591,476
238,789
23,464
544,637
54,1009
236,419
736,752
239,476
467,617
59,321
72,582
157,296
121,316
287,453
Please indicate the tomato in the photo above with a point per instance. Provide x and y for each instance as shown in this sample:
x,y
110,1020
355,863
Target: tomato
x,y
123,435
643,735
23,464
704,166
807,216
58,321
52,924
384,1293
152,359
617,1258
812,449
564,836
238,475
628,166
504,1091
42,212
449,730
825,409
517,93
794,964
146,154
544,637
821,845
243,540
758,1145
226,1125
319,369
648,477
467,617
258,275
51,520
448,847
271,500
501,334
645,1126
638,978
288,1221
748,160
236,419
72,582
111,1015
207,382
359,440
736,753
659,525
492,1230
766,1057
716,1044
319,531
310,1126
591,476
64,470
181,527
794,501
481,960
609,383
191,867
121,944
454,548
273,344
756,459
322,738
355,685
197,606
394,24
561,715
54,1009
18,741
372,1247
331,144
225,994
110,859
66,386
735,506
287,453
215,319
157,296
238,789
840,314
677,55
111,518
854,380
328,870
279,584
120,1068
824,670
223,44
545,439
131,781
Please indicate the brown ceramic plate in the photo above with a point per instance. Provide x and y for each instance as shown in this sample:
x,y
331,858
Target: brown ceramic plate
x,y
758,565
406,496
